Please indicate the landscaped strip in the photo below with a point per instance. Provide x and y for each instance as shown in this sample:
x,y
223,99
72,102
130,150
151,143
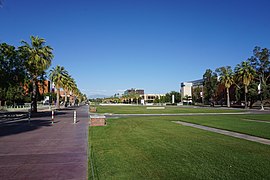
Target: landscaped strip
x,y
156,148
166,110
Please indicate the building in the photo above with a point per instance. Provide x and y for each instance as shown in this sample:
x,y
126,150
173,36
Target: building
x,y
149,98
186,90
134,91
188,87
198,83
143,98
43,88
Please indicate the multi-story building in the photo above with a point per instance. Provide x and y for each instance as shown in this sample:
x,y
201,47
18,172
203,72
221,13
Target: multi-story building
x,y
187,89
135,91
144,98
149,98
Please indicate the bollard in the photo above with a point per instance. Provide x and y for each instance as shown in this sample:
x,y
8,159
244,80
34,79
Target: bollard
x,y
29,115
52,116
74,120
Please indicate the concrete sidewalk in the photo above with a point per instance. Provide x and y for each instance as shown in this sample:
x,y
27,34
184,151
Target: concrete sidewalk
x,y
40,150
228,133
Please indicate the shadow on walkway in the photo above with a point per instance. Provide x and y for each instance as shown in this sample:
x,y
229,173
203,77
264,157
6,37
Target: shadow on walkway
x,y
21,126
17,122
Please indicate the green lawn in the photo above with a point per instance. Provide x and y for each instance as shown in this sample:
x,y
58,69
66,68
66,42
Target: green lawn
x,y
260,117
156,148
168,109
237,123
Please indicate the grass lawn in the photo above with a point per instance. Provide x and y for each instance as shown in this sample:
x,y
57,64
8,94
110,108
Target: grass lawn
x,y
237,123
260,117
156,148
143,110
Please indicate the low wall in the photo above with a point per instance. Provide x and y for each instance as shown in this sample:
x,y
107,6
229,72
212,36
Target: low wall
x,y
97,120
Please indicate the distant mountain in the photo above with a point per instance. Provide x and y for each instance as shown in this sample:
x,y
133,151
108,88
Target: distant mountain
x,y
94,96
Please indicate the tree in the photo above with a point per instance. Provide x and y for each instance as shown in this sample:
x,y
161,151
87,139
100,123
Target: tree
x,y
196,95
12,74
210,85
68,85
226,77
260,62
38,59
245,74
58,75
168,97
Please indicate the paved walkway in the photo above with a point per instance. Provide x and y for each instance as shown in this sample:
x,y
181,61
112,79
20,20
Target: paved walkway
x,y
40,150
252,120
228,133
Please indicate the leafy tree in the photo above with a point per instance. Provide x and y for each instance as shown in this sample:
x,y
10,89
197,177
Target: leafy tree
x,y
38,59
14,94
210,85
12,74
260,62
163,99
196,95
253,93
226,77
58,75
177,96
245,74
156,100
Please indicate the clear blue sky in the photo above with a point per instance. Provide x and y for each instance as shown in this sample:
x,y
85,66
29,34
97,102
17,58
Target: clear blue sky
x,y
109,46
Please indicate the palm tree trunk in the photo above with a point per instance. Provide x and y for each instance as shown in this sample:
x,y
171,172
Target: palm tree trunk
x,y
34,97
246,97
58,99
228,97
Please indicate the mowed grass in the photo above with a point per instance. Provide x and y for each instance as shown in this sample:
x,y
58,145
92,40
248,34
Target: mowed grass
x,y
167,110
237,123
156,148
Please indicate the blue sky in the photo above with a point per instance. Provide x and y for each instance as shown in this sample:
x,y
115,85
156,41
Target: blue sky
x,y
109,46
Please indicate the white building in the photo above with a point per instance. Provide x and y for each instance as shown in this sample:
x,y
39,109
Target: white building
x,y
187,87
186,90
149,98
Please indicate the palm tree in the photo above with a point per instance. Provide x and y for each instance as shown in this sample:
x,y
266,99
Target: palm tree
x,y
132,96
245,74
68,85
226,78
38,59
77,95
58,76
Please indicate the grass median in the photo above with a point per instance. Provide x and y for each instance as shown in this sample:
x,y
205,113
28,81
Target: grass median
x,y
167,110
156,148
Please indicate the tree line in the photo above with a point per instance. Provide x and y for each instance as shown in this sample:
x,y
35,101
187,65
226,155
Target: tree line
x,y
249,81
23,71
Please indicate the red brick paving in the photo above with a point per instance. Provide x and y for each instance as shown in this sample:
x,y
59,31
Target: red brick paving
x,y
40,150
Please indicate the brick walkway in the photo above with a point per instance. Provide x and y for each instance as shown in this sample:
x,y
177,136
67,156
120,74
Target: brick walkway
x,y
228,133
40,150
